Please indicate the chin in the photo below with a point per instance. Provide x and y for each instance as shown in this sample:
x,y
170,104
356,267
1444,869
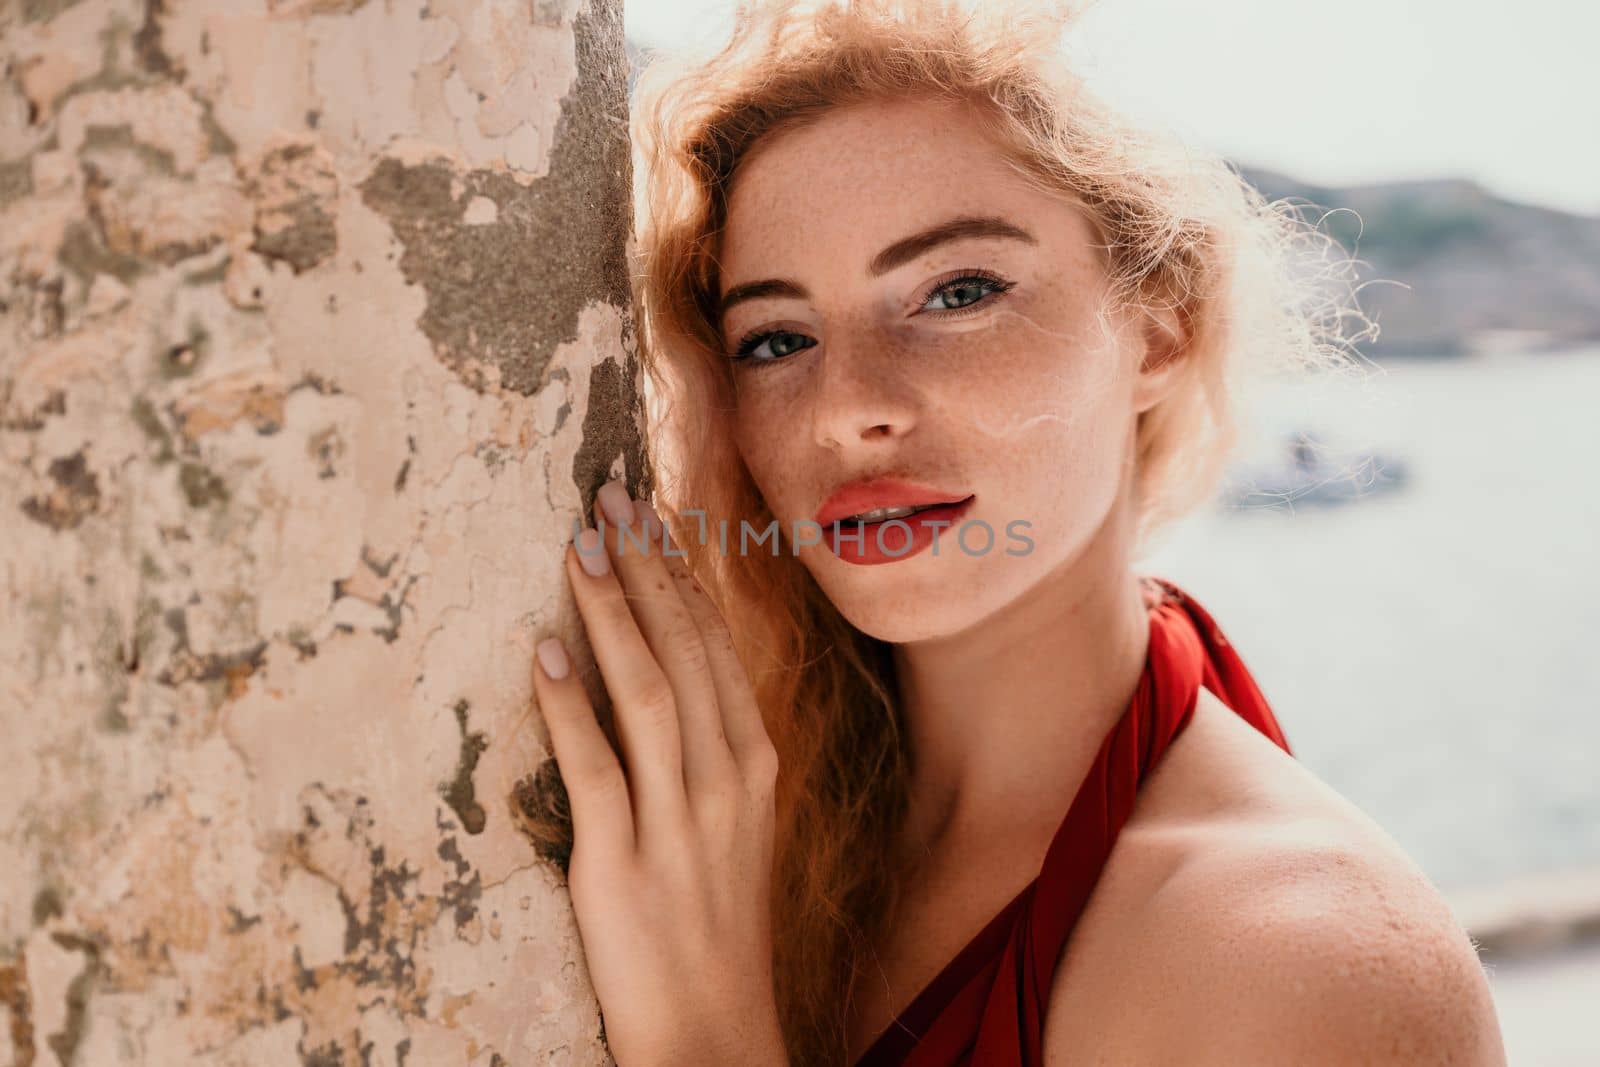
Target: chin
x,y
914,600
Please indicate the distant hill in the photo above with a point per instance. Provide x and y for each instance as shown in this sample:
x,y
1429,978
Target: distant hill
x,y
1478,270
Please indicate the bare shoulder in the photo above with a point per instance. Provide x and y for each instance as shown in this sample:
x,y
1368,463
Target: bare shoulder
x,y
1250,915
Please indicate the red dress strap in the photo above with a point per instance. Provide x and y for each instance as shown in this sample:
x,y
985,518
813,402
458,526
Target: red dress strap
x,y
986,1008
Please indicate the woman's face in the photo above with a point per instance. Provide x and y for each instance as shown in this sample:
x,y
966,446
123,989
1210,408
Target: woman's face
x,y
981,366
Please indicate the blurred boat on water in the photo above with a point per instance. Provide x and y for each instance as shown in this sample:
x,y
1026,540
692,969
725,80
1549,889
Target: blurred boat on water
x,y
1308,471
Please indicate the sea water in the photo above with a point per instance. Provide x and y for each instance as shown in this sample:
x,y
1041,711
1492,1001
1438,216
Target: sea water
x,y
1433,651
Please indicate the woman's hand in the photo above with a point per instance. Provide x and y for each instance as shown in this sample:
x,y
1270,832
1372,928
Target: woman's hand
x,y
672,858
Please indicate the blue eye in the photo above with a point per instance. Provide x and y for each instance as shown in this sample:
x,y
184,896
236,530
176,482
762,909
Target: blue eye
x,y
958,292
780,342
964,292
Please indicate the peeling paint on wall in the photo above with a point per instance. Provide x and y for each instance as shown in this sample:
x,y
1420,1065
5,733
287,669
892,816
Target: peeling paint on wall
x,y
296,193
506,294
297,304
72,497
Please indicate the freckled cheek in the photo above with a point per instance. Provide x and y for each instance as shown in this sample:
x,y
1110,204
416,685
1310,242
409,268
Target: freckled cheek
x,y
1027,387
768,434
762,412
1002,365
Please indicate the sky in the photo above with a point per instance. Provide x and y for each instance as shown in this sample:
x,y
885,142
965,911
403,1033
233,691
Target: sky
x,y
1506,94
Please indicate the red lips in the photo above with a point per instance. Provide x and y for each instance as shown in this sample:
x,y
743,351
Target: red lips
x,y
867,545
853,498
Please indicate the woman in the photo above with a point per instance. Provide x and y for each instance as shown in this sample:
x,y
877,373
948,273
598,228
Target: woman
x,y
872,797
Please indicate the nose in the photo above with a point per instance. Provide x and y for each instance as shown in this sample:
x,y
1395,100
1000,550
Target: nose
x,y
860,394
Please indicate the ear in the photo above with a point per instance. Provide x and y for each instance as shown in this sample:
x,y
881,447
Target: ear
x,y
1167,334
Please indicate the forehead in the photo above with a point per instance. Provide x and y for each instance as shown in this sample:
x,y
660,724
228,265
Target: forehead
x,y
839,189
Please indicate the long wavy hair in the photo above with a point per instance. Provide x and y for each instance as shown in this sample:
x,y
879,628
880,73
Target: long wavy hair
x,y
1178,230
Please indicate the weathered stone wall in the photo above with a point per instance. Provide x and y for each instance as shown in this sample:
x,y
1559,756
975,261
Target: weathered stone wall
x,y
313,342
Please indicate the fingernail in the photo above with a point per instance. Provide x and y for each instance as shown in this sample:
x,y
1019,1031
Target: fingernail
x,y
592,553
553,658
648,519
615,502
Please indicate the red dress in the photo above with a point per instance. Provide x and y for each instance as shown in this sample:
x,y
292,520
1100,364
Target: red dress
x,y
986,1008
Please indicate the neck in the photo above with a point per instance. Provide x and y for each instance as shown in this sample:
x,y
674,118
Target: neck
x,y
1006,716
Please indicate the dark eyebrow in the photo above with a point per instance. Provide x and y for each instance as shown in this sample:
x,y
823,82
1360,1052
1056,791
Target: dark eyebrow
x,y
898,254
